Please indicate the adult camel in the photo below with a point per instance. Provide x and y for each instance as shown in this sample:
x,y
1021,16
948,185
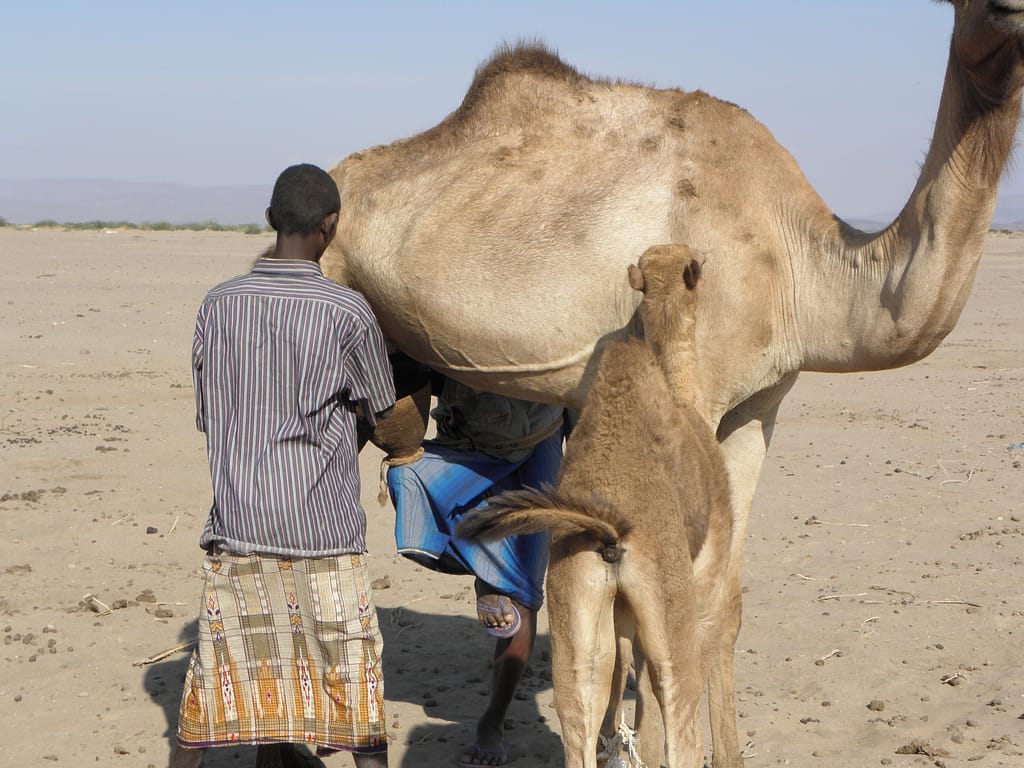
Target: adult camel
x,y
493,247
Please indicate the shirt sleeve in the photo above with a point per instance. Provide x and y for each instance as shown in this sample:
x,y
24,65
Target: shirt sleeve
x,y
197,367
368,377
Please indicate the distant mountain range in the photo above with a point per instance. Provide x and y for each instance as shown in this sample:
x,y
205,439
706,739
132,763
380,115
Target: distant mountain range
x,y
81,200
1009,212
1009,215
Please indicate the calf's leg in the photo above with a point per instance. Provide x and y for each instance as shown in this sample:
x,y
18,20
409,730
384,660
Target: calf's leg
x,y
580,613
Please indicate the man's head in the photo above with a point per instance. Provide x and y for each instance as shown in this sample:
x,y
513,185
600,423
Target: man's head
x,y
304,196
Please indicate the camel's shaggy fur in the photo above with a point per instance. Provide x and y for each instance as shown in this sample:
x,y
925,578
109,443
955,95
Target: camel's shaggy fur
x,y
641,523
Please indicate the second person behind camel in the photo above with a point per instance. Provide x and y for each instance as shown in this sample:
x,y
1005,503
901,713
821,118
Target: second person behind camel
x,y
485,444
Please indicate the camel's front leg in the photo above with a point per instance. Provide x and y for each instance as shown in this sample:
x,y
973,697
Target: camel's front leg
x,y
725,752
745,434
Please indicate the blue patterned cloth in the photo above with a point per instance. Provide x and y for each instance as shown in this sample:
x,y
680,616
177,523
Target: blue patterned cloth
x,y
432,493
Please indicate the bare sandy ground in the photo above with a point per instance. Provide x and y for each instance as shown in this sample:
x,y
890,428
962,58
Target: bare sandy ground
x,y
883,614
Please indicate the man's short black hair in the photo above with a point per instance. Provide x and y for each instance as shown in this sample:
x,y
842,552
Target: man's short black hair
x,y
303,196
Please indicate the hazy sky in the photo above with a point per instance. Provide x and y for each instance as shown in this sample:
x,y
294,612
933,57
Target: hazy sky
x,y
223,93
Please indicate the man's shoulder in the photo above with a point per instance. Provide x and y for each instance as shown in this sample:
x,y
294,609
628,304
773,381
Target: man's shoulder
x,y
347,307
228,286
345,298
306,286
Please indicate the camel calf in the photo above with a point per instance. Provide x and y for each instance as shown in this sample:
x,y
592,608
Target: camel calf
x,y
641,522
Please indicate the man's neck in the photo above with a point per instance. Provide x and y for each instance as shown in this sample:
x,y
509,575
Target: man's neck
x,y
298,247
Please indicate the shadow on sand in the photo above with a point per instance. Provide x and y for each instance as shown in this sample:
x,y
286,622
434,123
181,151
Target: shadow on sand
x,y
449,682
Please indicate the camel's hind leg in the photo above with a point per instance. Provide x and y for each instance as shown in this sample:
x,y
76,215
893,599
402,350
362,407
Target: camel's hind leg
x,y
580,610
624,631
668,640
650,730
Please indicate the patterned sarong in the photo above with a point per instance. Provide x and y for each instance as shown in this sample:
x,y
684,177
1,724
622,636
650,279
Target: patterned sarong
x,y
432,493
289,651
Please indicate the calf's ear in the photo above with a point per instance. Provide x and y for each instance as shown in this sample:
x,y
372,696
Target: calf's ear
x,y
691,274
636,278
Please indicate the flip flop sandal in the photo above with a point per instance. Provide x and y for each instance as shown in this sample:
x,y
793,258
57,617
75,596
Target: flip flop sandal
x,y
501,632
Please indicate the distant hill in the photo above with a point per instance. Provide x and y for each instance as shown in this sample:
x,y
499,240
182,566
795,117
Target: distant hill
x,y
1009,212
79,200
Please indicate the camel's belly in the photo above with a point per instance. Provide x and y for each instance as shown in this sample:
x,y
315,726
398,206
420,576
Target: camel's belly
x,y
501,307
502,332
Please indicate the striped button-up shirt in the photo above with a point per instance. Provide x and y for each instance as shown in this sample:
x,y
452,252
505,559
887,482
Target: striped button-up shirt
x,y
280,359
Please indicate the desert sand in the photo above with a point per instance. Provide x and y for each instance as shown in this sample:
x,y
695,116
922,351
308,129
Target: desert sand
x,y
883,606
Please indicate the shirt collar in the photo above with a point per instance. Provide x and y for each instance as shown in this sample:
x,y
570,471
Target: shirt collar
x,y
287,267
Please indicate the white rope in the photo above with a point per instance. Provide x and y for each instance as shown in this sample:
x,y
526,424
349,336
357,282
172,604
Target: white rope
x,y
612,749
393,461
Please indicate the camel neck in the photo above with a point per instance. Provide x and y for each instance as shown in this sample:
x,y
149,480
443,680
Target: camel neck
x,y
903,289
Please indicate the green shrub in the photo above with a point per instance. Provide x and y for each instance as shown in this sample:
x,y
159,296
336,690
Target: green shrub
x,y
153,226
97,225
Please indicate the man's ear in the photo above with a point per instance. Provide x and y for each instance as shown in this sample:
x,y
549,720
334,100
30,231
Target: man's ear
x,y
270,218
328,225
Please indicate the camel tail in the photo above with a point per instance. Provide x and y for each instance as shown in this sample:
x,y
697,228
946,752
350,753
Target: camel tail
x,y
531,511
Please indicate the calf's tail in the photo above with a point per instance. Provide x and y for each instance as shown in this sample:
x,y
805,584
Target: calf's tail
x,y
531,511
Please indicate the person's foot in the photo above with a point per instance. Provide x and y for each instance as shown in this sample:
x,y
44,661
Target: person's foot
x,y
479,755
498,614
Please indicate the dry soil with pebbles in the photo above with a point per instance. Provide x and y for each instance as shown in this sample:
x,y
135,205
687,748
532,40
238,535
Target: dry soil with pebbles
x,y
883,608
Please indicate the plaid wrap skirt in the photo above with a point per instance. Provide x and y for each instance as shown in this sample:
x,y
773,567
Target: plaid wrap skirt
x,y
289,651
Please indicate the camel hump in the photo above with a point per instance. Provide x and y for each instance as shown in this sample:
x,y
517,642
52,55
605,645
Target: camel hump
x,y
523,58
623,361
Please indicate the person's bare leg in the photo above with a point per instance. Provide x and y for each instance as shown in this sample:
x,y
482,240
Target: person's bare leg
x,y
286,755
184,757
271,756
510,658
371,760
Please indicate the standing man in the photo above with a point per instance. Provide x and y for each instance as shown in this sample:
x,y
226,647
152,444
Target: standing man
x,y
289,647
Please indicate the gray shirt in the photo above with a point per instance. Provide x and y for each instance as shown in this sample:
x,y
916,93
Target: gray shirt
x,y
503,427
280,359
